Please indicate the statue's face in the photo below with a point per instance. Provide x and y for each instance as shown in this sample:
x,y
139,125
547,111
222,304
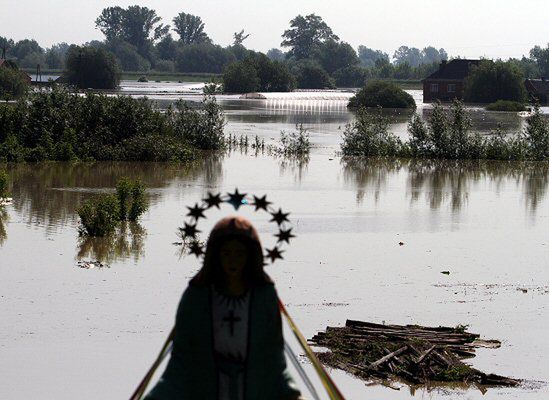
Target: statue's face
x,y
233,256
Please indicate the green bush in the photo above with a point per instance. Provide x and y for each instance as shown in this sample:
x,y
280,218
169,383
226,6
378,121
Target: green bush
x,y
506,105
445,134
132,200
13,83
91,67
381,94
240,77
60,125
369,135
99,216
310,75
492,81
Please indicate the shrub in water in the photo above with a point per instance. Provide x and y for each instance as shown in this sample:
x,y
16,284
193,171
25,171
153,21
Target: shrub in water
x,y
536,135
369,135
295,143
381,94
506,105
132,200
99,216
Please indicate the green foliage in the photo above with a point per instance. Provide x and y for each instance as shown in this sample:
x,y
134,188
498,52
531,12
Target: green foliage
x,y
139,26
382,94
536,135
3,184
203,57
541,56
310,75
190,29
89,67
305,35
353,76
368,135
132,200
368,57
257,73
491,81
445,134
506,105
99,216
13,83
60,125
295,143
333,55
455,373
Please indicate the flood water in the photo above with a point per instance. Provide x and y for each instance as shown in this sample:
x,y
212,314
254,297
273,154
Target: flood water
x,y
81,333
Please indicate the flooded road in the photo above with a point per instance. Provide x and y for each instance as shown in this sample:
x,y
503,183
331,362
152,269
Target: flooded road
x,y
81,333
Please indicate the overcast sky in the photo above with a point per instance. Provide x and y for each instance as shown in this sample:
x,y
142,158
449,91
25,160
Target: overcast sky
x,y
469,28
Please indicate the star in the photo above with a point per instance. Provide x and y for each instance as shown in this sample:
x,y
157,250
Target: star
x,y
285,235
196,212
189,230
213,200
261,203
196,248
274,254
237,199
279,217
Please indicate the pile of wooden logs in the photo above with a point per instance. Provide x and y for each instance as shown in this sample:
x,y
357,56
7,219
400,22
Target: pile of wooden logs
x,y
413,353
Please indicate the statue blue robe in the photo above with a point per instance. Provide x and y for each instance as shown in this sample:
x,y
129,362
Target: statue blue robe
x,y
192,371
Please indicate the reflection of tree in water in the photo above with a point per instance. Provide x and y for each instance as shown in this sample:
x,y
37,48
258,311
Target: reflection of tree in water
x,y
128,241
4,216
444,181
296,165
50,193
368,174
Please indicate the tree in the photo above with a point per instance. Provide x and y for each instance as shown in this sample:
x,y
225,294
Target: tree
x,y
167,48
368,57
491,81
431,55
203,57
139,26
382,94
127,55
25,47
239,38
276,54
541,56
240,77
305,34
90,67
332,55
55,55
190,29
13,83
352,76
310,75
272,76
406,54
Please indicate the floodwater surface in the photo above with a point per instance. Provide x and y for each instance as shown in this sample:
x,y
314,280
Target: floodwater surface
x,y
71,332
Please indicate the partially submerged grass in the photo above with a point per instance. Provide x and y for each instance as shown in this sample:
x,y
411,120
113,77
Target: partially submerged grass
x,y
3,185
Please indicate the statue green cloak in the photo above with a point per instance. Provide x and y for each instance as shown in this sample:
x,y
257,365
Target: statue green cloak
x,y
191,373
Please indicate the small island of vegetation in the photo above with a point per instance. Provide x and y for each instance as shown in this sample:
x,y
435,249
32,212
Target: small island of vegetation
x,y
382,94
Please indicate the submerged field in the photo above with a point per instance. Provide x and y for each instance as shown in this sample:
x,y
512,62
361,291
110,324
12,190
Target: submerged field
x,y
485,223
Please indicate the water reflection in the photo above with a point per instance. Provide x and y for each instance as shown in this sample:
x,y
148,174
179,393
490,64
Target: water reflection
x,y
297,166
4,216
444,182
48,194
127,242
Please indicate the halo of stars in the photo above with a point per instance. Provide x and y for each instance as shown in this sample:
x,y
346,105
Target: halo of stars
x,y
189,232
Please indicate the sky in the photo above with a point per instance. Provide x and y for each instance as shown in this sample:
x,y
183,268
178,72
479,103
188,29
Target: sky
x,y
466,28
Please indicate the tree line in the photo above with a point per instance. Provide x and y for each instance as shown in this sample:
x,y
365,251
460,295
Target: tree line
x,y
312,54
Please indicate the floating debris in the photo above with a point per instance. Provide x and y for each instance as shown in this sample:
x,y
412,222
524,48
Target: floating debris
x,y
92,264
445,272
412,353
401,243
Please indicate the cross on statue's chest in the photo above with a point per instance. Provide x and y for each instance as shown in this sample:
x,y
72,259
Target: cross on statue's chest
x,y
232,319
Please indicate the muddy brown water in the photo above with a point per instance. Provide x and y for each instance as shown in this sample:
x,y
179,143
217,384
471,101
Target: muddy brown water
x,y
88,333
